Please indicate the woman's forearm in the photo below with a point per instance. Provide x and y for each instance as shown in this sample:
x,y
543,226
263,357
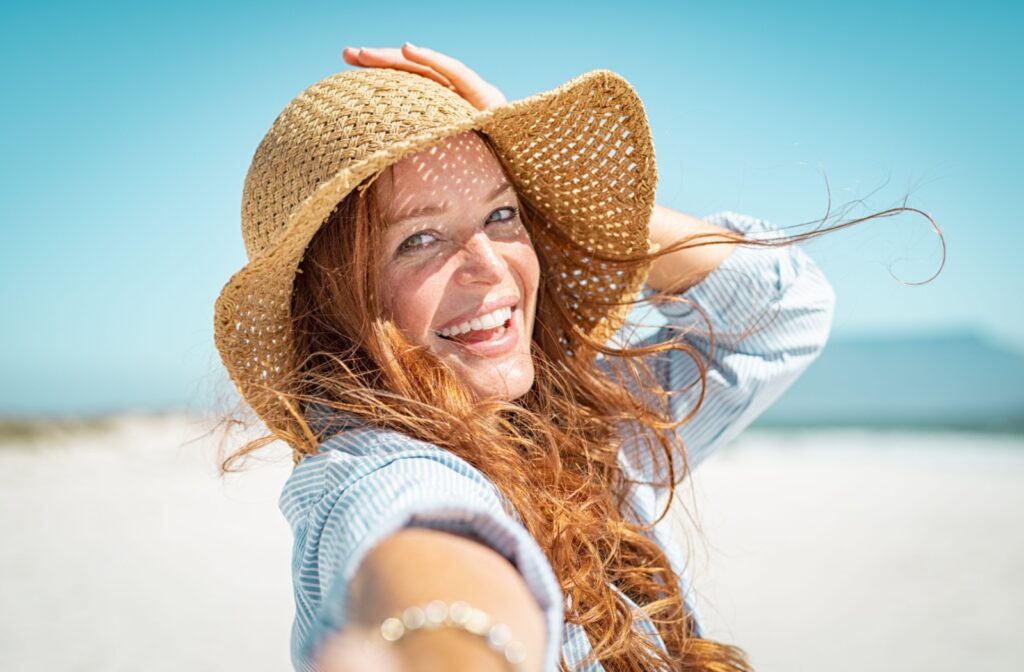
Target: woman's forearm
x,y
680,270
418,565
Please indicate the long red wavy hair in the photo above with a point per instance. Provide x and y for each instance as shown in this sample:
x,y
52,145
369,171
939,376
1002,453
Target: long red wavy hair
x,y
553,453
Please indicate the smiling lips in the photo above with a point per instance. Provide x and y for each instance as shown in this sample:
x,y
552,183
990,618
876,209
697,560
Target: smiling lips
x,y
480,328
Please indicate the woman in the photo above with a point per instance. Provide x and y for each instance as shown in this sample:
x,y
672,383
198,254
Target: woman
x,y
495,357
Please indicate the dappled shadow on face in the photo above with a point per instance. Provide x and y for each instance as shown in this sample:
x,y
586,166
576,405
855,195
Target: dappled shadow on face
x,y
461,169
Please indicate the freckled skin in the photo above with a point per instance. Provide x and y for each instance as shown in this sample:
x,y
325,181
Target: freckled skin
x,y
474,249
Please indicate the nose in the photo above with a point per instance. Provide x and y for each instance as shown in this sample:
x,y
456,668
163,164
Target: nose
x,y
481,261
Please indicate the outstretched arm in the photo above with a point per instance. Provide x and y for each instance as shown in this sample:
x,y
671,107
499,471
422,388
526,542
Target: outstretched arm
x,y
418,565
383,523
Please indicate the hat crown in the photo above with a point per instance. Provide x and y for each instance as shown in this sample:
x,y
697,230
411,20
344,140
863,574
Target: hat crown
x,y
336,123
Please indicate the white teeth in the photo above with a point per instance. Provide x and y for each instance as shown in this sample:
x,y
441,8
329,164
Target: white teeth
x,y
488,321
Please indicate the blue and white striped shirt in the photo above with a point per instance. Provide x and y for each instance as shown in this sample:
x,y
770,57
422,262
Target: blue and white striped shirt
x,y
366,483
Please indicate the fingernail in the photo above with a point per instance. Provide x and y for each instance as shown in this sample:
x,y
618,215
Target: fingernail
x,y
411,45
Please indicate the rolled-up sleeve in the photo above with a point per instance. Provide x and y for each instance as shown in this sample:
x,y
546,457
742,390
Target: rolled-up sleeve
x,y
365,499
770,312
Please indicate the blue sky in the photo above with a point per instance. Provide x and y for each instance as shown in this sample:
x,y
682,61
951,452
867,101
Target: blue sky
x,y
128,127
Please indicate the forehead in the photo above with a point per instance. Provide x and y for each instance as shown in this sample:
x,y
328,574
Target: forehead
x,y
459,169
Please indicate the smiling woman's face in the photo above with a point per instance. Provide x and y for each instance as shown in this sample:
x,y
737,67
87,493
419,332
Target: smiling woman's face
x,y
459,273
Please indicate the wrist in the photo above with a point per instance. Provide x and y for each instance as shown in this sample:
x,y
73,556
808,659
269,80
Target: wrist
x,y
468,637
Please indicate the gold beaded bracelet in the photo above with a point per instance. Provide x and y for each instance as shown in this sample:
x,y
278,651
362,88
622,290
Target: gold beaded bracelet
x,y
460,615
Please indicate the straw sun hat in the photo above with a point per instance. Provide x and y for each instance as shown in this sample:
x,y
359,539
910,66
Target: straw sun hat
x,y
581,153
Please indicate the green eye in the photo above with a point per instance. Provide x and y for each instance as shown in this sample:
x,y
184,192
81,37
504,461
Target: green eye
x,y
408,244
510,214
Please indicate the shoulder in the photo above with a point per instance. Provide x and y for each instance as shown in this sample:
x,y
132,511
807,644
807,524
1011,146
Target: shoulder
x,y
364,461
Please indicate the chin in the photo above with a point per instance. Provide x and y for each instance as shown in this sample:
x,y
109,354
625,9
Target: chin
x,y
505,388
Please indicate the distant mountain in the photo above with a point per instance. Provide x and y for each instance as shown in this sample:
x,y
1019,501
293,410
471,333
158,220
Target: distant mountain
x,y
956,381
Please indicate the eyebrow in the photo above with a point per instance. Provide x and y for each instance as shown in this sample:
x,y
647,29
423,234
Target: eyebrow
x,y
432,210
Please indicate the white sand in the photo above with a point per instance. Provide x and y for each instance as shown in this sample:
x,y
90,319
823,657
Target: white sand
x,y
864,551
829,551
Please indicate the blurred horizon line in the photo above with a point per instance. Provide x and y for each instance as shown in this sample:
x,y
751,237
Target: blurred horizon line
x,y
940,380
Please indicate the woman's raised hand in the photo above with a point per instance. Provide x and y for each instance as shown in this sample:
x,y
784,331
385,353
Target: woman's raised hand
x,y
444,70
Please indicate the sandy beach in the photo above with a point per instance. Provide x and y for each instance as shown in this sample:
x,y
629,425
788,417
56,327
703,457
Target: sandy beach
x,y
824,550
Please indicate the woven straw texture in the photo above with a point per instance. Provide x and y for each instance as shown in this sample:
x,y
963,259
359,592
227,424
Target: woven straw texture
x,y
582,153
